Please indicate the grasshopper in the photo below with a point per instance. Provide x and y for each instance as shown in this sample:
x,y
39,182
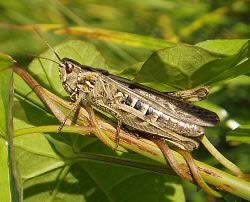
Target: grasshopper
x,y
166,116
170,116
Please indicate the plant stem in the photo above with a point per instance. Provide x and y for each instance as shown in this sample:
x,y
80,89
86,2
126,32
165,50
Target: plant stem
x,y
222,159
53,129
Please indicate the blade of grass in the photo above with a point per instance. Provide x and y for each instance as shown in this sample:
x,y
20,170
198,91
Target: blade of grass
x,y
123,38
8,183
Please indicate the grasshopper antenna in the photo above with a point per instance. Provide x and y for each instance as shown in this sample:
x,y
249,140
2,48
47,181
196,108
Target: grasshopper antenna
x,y
50,47
40,57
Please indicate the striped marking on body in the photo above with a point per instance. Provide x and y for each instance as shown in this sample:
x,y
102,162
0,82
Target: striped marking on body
x,y
156,116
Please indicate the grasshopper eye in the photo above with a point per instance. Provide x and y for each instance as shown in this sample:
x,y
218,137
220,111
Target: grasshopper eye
x,y
69,68
62,65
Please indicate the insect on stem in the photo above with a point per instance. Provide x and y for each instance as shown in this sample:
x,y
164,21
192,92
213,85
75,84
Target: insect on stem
x,y
169,117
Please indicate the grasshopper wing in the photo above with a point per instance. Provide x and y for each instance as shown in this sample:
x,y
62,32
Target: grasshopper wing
x,y
170,136
180,109
175,104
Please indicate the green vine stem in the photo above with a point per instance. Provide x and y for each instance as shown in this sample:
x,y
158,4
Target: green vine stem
x,y
222,159
219,179
53,129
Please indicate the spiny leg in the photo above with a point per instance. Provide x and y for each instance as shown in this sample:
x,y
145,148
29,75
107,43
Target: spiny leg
x,y
73,110
171,159
118,128
196,173
190,162
192,95
105,139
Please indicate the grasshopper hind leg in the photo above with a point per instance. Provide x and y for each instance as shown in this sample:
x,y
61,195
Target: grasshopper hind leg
x,y
168,154
192,95
185,172
197,178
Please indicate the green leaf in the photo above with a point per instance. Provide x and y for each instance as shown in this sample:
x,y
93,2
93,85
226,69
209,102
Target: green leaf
x,y
8,184
48,161
5,61
223,46
47,72
221,112
240,134
185,66
130,72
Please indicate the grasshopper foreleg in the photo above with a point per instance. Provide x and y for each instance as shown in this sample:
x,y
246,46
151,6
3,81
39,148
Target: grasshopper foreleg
x,y
117,137
73,110
98,132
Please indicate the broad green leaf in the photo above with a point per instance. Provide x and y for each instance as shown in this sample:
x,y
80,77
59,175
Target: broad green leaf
x,y
130,72
5,61
9,189
240,134
239,81
221,112
223,46
47,161
185,66
47,72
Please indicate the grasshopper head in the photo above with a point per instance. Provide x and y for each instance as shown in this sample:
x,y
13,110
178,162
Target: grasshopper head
x,y
76,78
68,75
72,74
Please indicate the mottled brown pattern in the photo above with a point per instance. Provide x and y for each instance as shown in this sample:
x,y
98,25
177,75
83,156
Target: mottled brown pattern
x,y
178,122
